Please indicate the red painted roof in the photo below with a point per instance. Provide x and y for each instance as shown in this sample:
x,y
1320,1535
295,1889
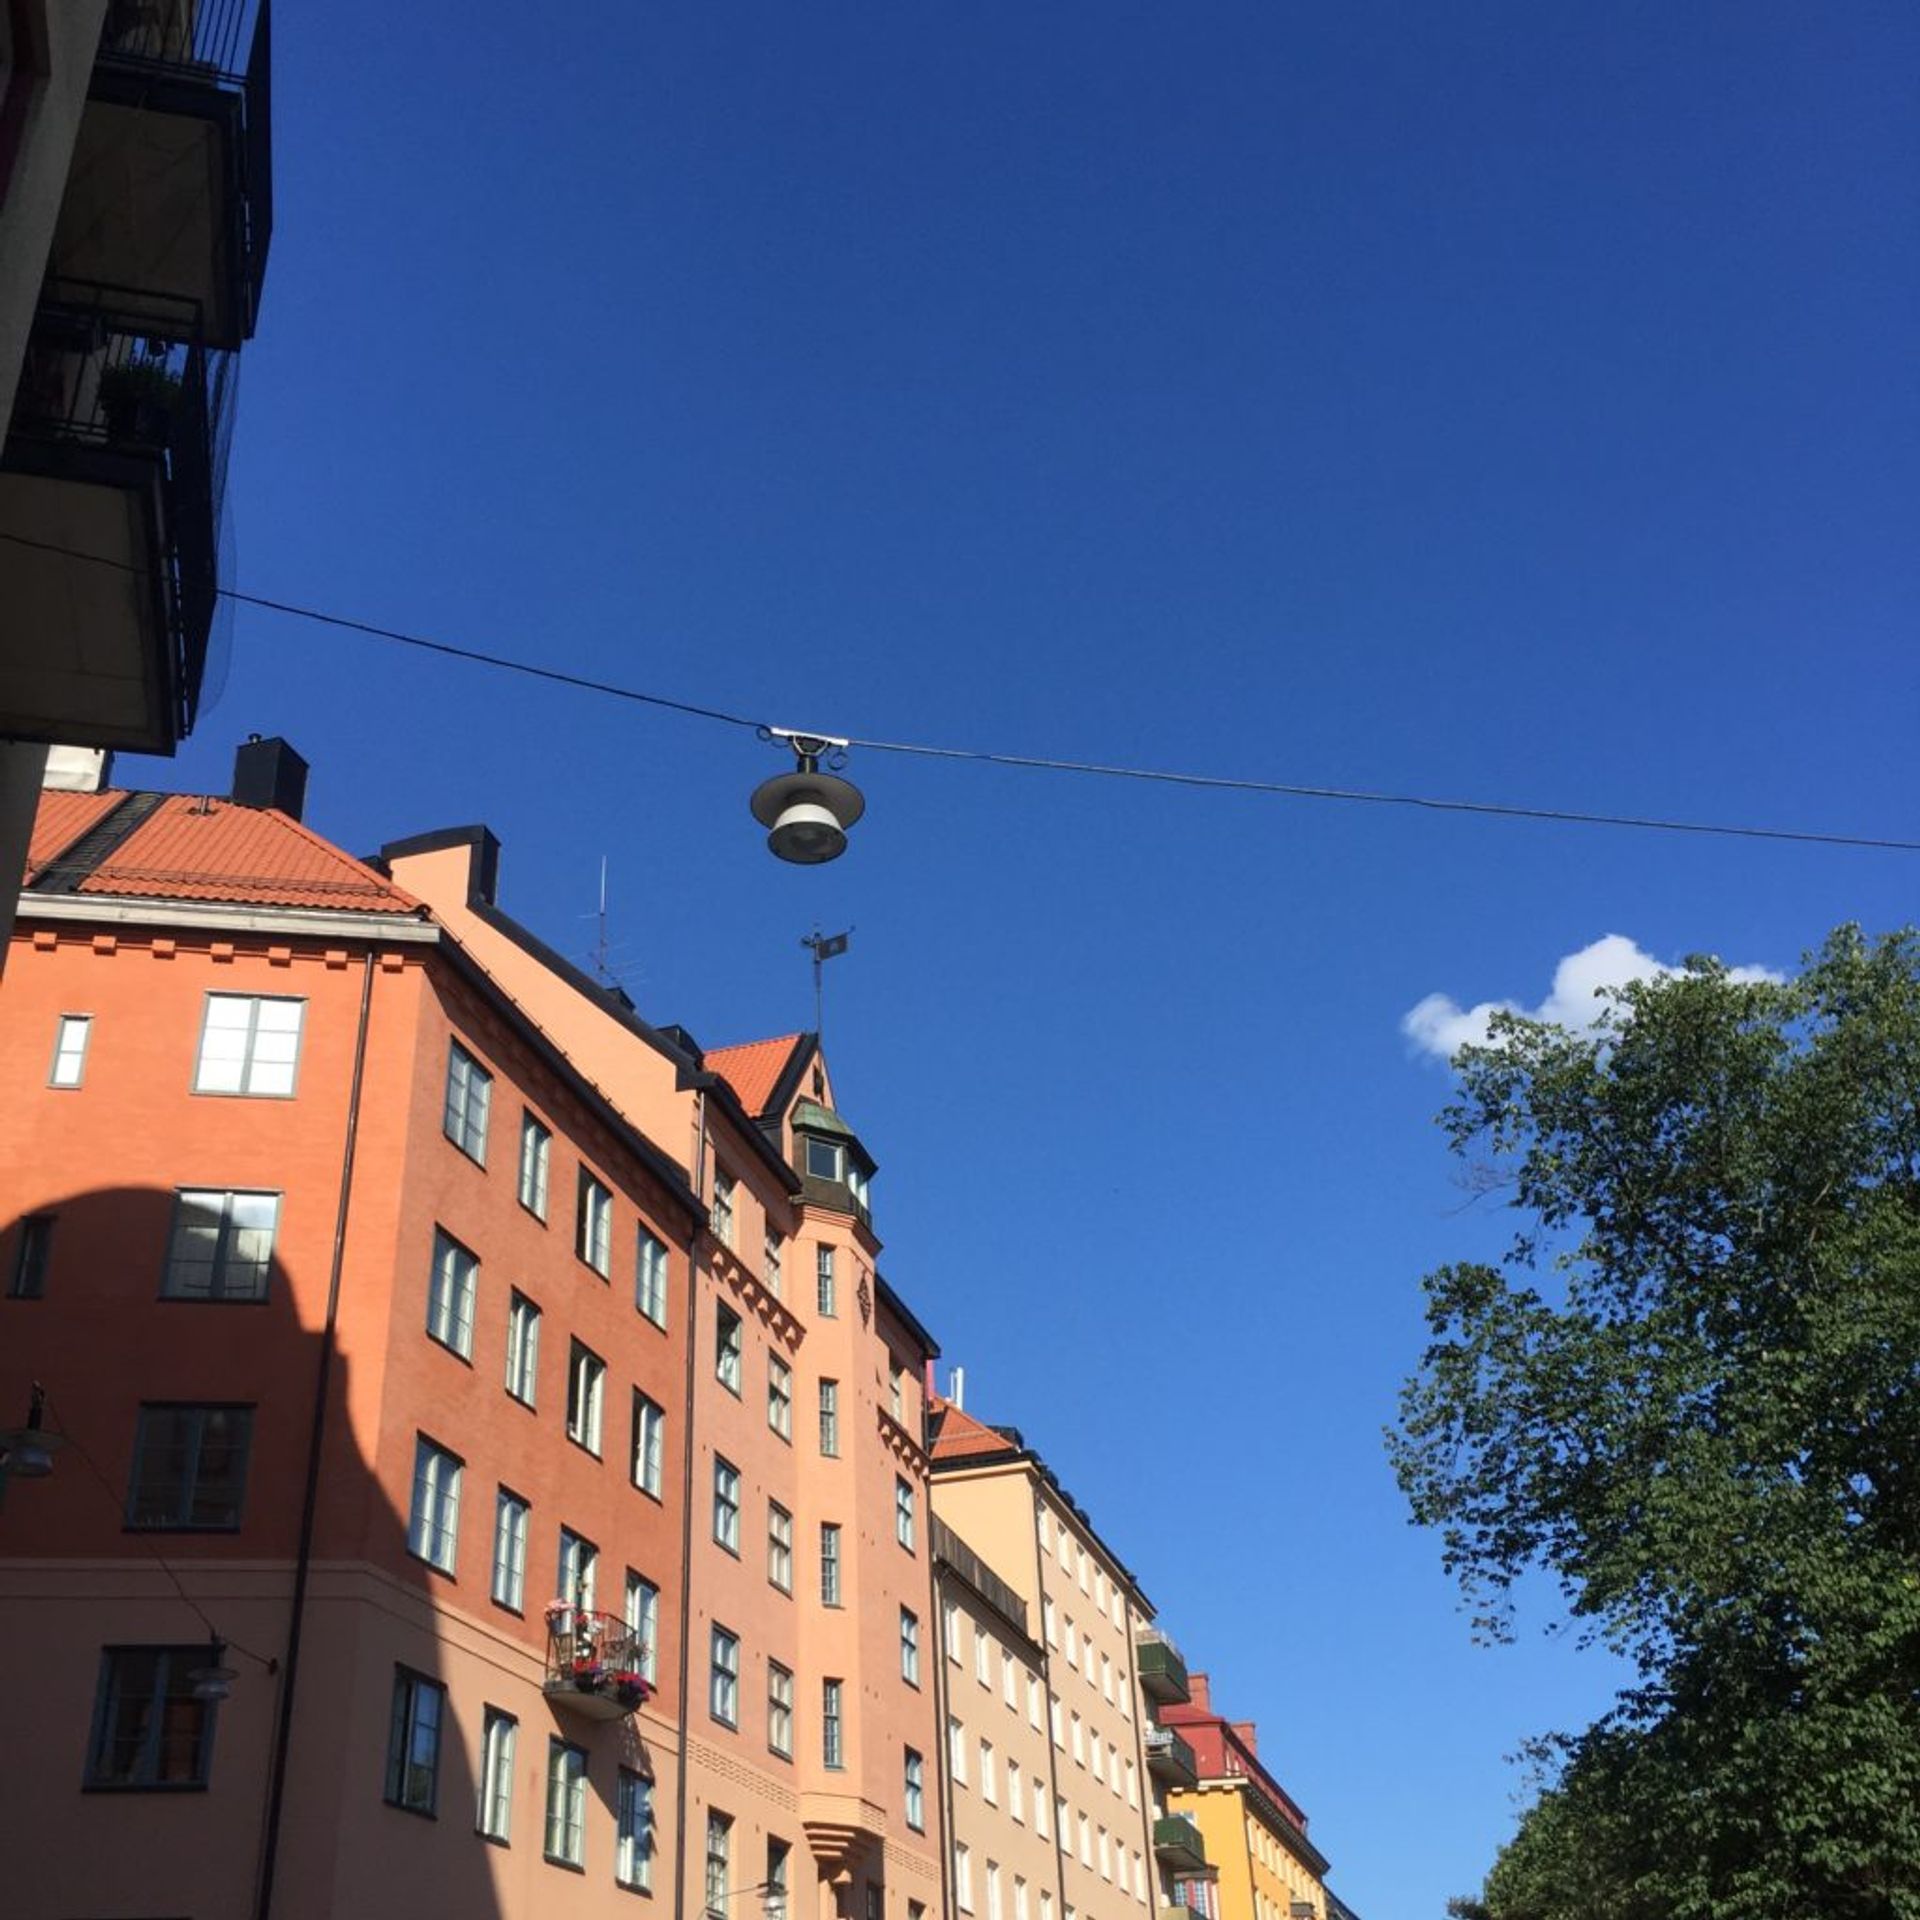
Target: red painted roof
x,y
958,1435
193,848
753,1070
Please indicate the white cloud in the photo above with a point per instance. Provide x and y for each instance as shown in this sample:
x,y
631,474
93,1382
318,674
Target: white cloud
x,y
1439,1026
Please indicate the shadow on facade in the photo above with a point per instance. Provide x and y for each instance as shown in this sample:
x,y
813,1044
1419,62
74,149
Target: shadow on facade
x,y
122,1804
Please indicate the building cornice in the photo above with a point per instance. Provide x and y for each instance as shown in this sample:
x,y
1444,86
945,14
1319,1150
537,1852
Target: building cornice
x,y
320,923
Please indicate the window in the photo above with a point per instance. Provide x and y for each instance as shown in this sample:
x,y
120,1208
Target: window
x,y
1020,1910
726,1504
962,1877
957,1750
469,1092
903,1513
723,1686
1039,1809
830,1418
1009,1681
579,1570
829,1563
149,1727
1106,1856
28,1280
989,1779
779,1396
780,1709
823,1280
593,1224
249,1046
1063,1821
723,1190
495,1816
1033,1701
649,1445
993,1890
633,1832
413,1741
643,1622
1099,1771
70,1050
896,1391
950,1629
779,1546
1051,1620
824,1159
726,1349
1073,1647
916,1784
719,1863
1086,1841
775,1890
1106,1676
523,1347
221,1247
586,1393
1015,1804
982,1656
1079,1742
566,1803
510,1518
909,1647
450,1294
650,1278
771,1260
433,1527
536,1158
832,1744
189,1468
1133,1788
1054,1721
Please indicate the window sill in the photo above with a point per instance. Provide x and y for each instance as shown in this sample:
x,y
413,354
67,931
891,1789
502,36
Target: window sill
x,y
419,1813
143,1786
567,1866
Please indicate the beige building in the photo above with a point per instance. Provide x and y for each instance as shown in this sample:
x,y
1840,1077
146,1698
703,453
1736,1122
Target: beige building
x,y
998,1496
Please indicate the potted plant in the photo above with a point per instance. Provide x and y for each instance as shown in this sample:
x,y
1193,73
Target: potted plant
x,y
138,401
629,1688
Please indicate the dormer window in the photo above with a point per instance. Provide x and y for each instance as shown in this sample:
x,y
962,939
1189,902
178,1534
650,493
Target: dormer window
x,y
829,1156
826,1159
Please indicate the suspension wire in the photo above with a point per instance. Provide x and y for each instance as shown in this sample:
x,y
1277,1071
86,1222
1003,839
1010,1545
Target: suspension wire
x,y
1296,790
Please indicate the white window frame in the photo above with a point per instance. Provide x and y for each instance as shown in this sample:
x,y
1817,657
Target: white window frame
x,y
729,1348
566,1824
779,1547
648,1469
909,1646
726,1505
512,1524
467,1104
780,1396
576,1570
493,1816
523,1349
642,1615
72,1033
453,1291
586,1397
433,1518
779,1710
723,1676
197,1208
633,1832
253,1077
536,1164
650,1277
593,1223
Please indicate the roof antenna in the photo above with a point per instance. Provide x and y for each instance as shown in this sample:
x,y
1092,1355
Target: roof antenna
x,y
824,947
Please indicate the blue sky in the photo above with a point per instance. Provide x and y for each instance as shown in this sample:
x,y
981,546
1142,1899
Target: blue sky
x,y
1507,401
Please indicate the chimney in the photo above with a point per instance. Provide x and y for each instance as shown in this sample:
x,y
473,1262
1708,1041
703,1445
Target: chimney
x,y
1197,1692
1248,1739
77,769
268,773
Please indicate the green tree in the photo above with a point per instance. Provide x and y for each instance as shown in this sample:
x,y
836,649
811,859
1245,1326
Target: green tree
x,y
1690,1394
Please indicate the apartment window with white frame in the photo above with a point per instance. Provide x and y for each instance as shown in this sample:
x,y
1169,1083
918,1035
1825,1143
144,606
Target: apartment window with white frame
x,y
494,1816
824,1287
1079,1741
649,1445
723,1677
469,1096
993,1890
982,1655
950,1629
903,1513
189,1469
579,1570
451,1292
829,1563
1063,1822
1133,1787
1106,1677
413,1741
779,1546
650,1277
249,1045
957,1751
1055,1721
833,1744
1113,1766
1016,1804
719,1864
1099,1766
896,1389
916,1791
1039,1808
1046,1904
511,1516
727,1342
1052,1623
724,1185
830,1418
780,1709
1105,1850
593,1224
779,1396
633,1832
433,1525
909,1646
726,1505
962,1877
70,1036
1009,1681
1073,1644
642,1615
1086,1841
523,1348
566,1839
1020,1909
771,1261
774,1905
1033,1701
536,1159
989,1776
586,1396
221,1245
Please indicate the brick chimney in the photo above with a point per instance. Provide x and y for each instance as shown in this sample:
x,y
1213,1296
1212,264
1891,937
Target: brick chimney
x,y
1197,1692
1248,1738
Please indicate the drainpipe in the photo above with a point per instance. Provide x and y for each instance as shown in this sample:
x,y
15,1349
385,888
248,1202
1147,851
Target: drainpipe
x,y
691,1317
1046,1679
310,1500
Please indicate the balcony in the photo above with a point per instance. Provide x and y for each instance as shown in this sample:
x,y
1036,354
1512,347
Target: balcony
x,y
110,485
594,1663
1169,1759
1177,1844
170,194
1163,1674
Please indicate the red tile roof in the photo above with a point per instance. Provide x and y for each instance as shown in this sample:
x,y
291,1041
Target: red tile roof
x,y
958,1435
190,848
753,1070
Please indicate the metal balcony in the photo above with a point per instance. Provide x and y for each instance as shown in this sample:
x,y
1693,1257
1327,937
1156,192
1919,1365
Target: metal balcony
x,y
110,485
1177,1844
170,194
594,1664
1169,1759
1163,1674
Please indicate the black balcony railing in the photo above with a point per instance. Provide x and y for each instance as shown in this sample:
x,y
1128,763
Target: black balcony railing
x,y
97,403
595,1663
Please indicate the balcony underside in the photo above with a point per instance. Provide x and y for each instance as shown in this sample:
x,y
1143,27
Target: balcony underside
x,y
85,655
1177,1844
597,1703
154,209
1171,1762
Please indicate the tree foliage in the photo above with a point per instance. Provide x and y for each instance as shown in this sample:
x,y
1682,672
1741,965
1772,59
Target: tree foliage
x,y
1690,1394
